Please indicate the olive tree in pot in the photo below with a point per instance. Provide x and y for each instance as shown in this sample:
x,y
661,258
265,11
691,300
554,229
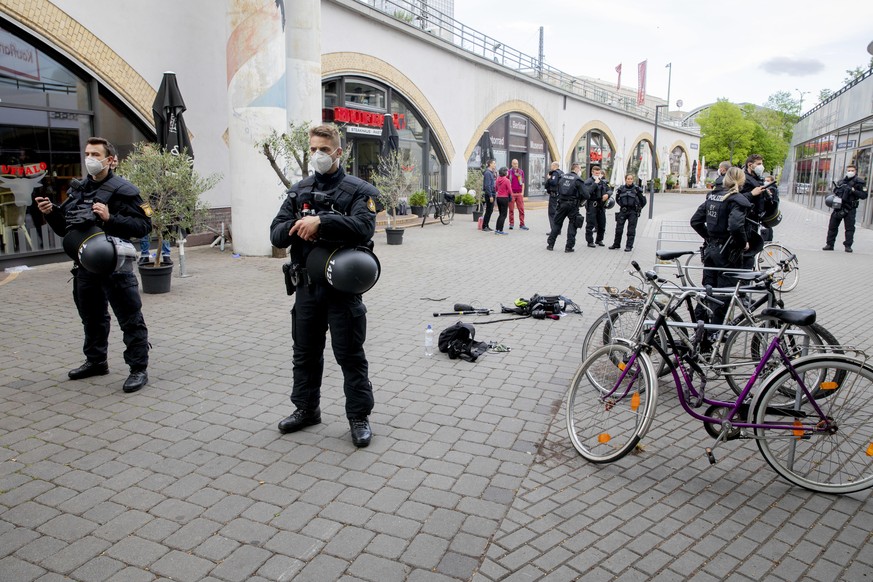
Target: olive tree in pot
x,y
172,187
473,184
396,178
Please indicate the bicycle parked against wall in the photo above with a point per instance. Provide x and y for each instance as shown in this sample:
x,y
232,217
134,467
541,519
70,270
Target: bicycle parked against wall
x,y
441,204
812,418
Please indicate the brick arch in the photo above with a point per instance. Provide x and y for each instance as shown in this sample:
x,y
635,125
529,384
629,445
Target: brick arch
x,y
348,63
514,106
63,32
593,124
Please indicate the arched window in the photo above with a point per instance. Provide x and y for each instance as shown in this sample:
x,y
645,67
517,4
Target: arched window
x,y
594,148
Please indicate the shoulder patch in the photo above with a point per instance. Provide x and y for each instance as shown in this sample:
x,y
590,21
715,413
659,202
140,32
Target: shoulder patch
x,y
147,208
371,206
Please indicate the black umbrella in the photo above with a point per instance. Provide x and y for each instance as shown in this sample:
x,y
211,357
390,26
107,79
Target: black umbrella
x,y
693,172
486,148
167,110
390,139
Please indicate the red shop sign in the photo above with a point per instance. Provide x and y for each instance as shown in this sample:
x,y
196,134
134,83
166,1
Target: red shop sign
x,y
359,117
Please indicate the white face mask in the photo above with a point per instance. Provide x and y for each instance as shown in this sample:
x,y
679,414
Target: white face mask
x,y
759,170
850,174
321,162
93,166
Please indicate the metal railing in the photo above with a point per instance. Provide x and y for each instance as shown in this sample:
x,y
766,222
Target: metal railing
x,y
417,14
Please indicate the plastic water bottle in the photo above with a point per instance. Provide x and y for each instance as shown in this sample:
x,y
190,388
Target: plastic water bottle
x,y
428,341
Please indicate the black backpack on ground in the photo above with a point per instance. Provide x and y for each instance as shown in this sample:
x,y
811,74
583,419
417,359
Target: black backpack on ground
x,y
458,341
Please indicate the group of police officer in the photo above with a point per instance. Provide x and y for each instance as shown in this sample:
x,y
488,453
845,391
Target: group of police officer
x,y
568,192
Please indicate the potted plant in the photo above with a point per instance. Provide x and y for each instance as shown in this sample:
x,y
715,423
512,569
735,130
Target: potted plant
x,y
418,202
172,187
473,184
671,182
396,178
464,203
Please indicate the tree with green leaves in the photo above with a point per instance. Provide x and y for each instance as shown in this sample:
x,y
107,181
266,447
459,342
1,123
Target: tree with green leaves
x,y
852,74
291,150
396,178
171,185
725,133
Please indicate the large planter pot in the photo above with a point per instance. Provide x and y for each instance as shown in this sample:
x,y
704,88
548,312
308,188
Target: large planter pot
x,y
156,279
418,210
463,209
476,215
394,235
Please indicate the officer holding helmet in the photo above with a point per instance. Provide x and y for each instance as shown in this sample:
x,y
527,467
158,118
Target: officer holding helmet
x,y
329,209
100,214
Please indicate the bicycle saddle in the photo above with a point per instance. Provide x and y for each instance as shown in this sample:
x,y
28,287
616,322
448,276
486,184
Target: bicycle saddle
x,y
792,316
670,255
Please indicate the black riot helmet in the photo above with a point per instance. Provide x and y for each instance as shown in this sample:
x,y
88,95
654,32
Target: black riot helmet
x,y
103,254
350,270
74,239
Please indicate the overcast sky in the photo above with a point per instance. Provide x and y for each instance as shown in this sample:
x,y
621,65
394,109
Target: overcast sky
x,y
745,54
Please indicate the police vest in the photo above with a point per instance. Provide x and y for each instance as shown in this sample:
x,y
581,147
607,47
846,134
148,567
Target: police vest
x,y
567,187
627,197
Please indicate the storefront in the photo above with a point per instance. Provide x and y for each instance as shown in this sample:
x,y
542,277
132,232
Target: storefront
x,y
359,106
515,136
835,134
48,109
594,148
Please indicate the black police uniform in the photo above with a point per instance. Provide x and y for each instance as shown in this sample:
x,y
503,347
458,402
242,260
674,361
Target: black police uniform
x,y
850,190
595,213
347,210
129,217
722,217
552,190
631,201
570,194
758,209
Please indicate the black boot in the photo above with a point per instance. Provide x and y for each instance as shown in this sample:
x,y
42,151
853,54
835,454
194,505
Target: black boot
x,y
89,369
300,419
361,433
135,381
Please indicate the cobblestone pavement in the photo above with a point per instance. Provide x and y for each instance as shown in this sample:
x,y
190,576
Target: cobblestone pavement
x,y
469,475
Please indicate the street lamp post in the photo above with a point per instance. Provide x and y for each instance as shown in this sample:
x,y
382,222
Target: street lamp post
x,y
654,165
802,93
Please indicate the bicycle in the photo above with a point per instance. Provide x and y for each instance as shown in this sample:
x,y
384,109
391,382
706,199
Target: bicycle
x,y
811,418
773,254
733,351
442,204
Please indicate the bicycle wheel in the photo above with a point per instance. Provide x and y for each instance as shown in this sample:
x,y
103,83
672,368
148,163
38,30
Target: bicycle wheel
x,y
742,350
448,213
426,211
773,255
830,454
620,322
693,270
608,411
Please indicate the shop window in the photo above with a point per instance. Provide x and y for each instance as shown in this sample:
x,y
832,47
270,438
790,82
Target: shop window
x,y
364,96
329,95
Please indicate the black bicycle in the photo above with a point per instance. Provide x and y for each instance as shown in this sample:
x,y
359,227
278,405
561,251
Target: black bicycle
x,y
441,204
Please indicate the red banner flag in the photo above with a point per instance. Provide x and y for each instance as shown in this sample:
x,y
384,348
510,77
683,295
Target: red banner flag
x,y
618,70
641,83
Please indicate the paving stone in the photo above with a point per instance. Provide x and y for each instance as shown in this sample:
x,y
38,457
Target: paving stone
x,y
19,570
183,567
74,555
136,551
376,569
240,565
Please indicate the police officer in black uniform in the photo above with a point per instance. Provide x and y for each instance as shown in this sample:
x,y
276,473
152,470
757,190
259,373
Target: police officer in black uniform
x,y
570,195
597,191
327,209
721,221
759,198
113,205
552,189
849,190
631,202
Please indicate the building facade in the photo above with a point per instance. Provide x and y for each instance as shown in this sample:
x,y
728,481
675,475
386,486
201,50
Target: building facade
x,y
68,72
831,136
